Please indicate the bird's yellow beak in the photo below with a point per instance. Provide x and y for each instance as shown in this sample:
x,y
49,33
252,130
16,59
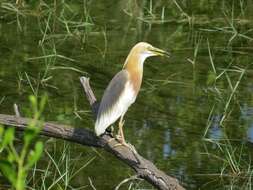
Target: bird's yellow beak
x,y
159,52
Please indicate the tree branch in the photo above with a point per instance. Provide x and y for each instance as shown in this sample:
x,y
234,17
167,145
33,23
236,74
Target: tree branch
x,y
143,167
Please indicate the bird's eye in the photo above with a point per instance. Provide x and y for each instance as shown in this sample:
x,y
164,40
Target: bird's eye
x,y
149,48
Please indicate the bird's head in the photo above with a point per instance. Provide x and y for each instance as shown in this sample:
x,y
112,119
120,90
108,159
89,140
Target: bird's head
x,y
146,50
141,51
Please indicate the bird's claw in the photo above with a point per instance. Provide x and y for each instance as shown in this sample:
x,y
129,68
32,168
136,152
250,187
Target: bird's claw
x,y
122,142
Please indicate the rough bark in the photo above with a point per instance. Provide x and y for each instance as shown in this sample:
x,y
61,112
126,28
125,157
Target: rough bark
x,y
143,167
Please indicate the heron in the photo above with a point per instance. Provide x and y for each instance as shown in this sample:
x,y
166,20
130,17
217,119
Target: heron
x,y
123,89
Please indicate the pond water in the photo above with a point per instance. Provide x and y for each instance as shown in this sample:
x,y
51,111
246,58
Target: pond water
x,y
193,117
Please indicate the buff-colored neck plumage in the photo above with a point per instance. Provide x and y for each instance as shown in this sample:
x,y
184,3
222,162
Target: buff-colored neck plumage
x,y
134,65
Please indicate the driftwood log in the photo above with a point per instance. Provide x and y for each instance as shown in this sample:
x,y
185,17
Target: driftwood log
x,y
143,167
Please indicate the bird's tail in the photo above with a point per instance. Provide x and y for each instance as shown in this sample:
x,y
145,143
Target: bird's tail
x,y
99,129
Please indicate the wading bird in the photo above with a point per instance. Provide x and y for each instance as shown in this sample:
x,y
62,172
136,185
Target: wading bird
x,y
123,89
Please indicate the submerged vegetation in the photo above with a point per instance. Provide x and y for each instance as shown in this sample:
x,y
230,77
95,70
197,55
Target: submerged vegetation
x,y
193,117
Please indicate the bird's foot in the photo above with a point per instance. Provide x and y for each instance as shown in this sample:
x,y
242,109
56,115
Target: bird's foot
x,y
121,144
121,141
132,148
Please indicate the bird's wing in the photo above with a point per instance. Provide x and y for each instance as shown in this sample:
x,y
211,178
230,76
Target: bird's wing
x,y
110,108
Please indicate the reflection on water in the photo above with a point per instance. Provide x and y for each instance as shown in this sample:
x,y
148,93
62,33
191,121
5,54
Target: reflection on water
x,y
250,133
215,133
246,116
168,121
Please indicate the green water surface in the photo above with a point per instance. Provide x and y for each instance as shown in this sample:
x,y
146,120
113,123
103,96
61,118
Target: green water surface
x,y
193,117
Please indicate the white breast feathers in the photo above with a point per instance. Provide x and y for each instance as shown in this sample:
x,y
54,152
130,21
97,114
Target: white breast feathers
x,y
119,108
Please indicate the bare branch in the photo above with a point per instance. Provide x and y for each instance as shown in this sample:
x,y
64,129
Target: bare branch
x,y
15,106
77,135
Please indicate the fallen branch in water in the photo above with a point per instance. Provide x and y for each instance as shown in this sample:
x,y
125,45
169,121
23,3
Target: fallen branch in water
x,y
143,167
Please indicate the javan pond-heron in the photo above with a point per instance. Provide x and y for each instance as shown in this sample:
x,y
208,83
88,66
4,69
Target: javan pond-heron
x,y
124,88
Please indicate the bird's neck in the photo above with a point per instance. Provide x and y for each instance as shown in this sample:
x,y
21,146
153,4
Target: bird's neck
x,y
135,61
134,66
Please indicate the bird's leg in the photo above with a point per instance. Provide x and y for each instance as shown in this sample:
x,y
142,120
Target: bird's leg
x,y
121,136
